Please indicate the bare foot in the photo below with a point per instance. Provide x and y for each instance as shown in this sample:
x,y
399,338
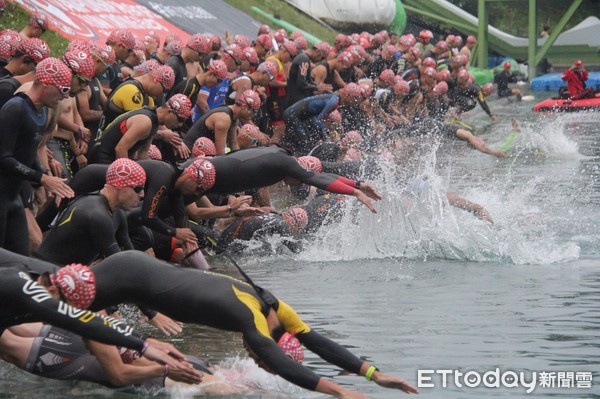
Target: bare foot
x,y
516,125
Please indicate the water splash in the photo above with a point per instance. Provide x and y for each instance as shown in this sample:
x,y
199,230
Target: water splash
x,y
238,378
416,221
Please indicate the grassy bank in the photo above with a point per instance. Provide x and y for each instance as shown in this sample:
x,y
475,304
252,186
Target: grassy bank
x,y
287,13
16,18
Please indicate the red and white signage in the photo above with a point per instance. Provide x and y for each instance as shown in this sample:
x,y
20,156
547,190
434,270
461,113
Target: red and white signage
x,y
95,19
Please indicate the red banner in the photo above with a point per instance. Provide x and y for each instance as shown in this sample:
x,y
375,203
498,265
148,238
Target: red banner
x,y
95,19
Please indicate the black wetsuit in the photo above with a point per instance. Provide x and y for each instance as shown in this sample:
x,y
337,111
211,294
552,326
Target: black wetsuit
x,y
85,230
25,301
300,85
326,151
304,122
231,93
378,66
254,228
329,75
71,360
160,197
111,111
113,75
8,86
502,80
178,65
94,105
199,128
22,127
467,98
263,166
106,142
219,301
322,209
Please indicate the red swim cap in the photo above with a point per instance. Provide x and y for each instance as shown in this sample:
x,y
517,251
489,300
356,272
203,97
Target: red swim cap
x,y
429,62
250,55
77,284
53,71
291,347
488,89
387,75
200,43
164,75
301,42
296,217
37,49
203,146
241,40
154,153
203,172
173,48
219,68
265,41
249,98
103,52
181,105
311,163
125,172
81,63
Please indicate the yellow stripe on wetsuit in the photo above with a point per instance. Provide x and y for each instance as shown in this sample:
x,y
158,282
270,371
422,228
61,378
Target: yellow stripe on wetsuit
x,y
286,315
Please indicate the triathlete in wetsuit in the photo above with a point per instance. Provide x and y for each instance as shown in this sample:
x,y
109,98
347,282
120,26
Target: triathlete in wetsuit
x,y
22,123
24,300
85,230
322,209
305,122
219,123
263,226
104,151
222,302
96,225
74,361
264,166
466,96
161,197
134,130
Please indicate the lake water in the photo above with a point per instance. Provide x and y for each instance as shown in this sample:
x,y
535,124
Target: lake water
x,y
424,286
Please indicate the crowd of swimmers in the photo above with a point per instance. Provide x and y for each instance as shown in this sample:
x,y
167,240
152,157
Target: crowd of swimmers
x,y
120,159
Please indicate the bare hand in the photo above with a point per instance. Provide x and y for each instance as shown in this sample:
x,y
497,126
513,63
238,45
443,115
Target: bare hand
x,y
185,376
186,235
57,186
389,381
182,151
362,197
85,133
166,348
236,202
494,118
167,354
166,325
250,211
81,161
370,191
263,139
82,146
482,214
171,137
56,167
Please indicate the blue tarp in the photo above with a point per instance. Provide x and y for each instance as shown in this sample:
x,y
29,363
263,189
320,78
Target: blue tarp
x,y
552,82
